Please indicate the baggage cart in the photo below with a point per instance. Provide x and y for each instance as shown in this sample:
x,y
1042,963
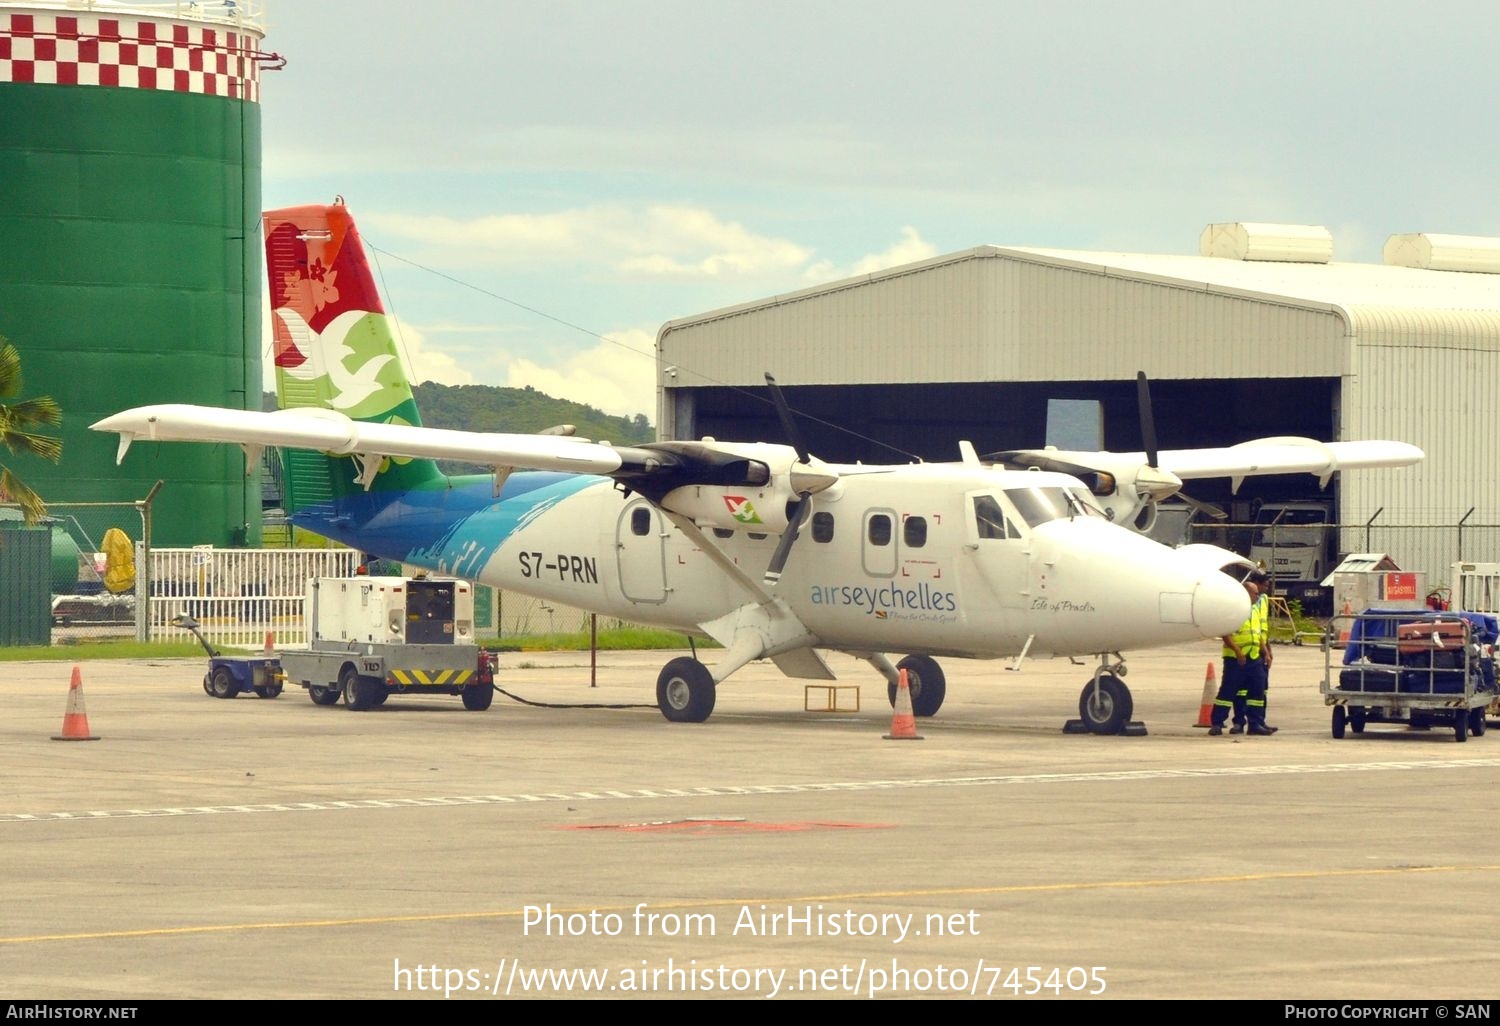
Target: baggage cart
x,y
1414,667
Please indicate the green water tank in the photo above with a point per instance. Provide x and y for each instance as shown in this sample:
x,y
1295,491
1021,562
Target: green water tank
x,y
129,254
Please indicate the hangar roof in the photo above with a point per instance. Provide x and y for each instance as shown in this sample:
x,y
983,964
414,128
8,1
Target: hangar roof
x,y
1355,288
1369,297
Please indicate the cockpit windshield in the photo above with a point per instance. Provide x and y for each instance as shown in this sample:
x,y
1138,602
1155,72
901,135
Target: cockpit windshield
x,y
1039,505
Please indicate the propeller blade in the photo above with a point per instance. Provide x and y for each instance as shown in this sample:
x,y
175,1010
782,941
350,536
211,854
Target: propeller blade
x,y
784,412
1148,421
788,538
1208,509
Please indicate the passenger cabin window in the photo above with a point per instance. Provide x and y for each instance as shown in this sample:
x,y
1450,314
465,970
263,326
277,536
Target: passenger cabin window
x,y
914,532
822,527
640,520
991,520
880,529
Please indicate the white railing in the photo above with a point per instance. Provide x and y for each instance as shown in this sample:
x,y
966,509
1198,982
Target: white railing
x,y
238,596
249,14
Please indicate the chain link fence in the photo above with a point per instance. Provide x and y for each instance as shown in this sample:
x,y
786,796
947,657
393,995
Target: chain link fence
x,y
1429,549
89,573
104,581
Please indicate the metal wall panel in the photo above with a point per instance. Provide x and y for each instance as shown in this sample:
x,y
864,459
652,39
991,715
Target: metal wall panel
x,y
987,315
1422,373
26,597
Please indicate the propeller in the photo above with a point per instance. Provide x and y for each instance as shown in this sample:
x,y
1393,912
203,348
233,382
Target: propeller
x,y
797,510
1159,484
1118,480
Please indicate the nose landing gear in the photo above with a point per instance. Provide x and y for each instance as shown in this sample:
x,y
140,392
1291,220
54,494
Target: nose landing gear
x,y
1105,706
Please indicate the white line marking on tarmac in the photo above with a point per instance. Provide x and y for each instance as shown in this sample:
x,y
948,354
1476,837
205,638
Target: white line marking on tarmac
x,y
747,789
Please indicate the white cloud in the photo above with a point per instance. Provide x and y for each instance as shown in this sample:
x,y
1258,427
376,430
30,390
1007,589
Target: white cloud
x,y
423,362
663,240
911,248
615,376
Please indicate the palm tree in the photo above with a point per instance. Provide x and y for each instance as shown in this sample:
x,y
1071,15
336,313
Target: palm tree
x,y
17,424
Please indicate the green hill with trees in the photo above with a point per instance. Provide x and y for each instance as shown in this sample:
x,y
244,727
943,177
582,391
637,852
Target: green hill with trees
x,y
523,411
517,410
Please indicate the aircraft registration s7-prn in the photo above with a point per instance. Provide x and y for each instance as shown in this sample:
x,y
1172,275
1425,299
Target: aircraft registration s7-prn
x,y
760,546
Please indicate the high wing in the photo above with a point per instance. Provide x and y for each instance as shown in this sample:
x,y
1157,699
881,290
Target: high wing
x,y
669,473
1287,455
333,432
1129,484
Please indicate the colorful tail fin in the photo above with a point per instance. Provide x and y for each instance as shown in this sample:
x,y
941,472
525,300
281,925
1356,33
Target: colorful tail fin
x,y
334,348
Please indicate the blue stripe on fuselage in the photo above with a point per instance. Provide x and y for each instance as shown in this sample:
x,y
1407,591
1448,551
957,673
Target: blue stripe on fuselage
x,y
453,530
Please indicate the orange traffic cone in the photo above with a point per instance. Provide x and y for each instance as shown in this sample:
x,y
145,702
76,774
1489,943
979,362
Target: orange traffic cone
x,y
903,721
1210,692
270,648
75,721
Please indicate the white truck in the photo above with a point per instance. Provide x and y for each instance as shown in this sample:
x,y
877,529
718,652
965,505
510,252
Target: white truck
x,y
372,637
1294,541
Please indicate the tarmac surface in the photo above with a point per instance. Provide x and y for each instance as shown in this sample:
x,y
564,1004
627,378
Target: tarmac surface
x,y
571,843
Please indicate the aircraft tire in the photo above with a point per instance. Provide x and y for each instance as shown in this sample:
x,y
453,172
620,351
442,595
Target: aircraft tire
x,y
685,691
323,694
925,682
477,697
1112,710
221,683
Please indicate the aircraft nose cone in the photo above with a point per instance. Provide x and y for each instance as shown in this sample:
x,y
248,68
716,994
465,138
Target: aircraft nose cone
x,y
1220,604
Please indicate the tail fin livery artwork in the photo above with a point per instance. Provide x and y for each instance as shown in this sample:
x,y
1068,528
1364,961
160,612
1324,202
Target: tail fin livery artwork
x,y
763,547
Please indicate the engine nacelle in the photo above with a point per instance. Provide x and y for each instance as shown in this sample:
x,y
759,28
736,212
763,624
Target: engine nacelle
x,y
753,505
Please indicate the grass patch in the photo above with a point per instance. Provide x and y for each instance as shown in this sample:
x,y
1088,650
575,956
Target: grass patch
x,y
86,650
621,639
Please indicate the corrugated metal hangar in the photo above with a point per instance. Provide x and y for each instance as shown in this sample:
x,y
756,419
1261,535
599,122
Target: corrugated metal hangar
x,y
1260,334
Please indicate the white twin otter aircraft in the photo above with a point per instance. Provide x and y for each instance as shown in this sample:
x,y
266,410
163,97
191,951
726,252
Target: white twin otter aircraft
x,y
760,546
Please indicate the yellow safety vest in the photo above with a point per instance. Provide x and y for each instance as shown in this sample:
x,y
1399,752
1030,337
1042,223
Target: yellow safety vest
x,y
1249,634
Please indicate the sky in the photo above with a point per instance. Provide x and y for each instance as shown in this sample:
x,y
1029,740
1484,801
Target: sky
x,y
545,183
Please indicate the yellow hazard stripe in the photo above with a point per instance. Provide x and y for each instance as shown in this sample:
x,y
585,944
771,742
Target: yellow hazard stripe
x,y
434,677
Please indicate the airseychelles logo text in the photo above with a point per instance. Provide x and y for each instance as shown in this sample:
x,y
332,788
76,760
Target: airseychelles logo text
x,y
889,602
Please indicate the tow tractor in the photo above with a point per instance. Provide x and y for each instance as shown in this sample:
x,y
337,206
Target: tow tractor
x,y
229,675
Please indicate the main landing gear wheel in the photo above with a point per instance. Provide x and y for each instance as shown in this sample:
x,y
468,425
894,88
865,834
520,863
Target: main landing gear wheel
x,y
322,694
685,691
221,683
1110,709
924,682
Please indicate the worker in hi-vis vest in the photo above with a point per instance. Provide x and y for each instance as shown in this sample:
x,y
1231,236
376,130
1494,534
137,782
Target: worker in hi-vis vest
x,y
1243,668
1262,581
